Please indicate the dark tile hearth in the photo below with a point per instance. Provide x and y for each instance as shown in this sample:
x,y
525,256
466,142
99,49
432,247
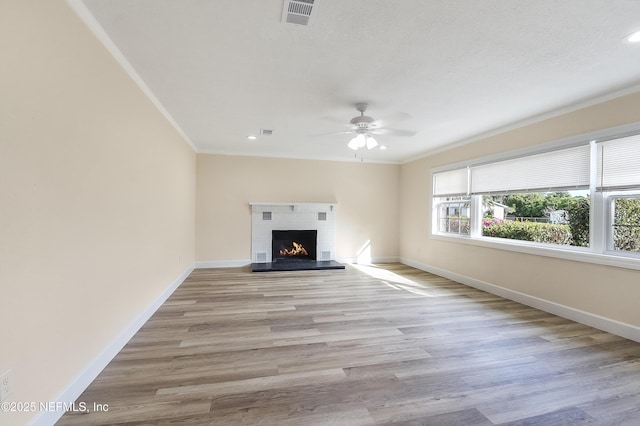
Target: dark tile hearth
x,y
295,265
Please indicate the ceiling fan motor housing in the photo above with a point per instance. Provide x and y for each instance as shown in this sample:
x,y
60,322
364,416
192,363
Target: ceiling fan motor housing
x,y
362,121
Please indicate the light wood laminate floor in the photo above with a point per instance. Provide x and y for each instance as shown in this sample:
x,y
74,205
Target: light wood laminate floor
x,y
386,344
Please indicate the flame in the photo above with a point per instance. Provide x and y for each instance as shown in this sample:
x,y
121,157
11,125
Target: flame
x,y
297,250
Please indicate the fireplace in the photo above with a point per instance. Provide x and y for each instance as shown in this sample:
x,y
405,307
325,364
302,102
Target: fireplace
x,y
293,237
294,245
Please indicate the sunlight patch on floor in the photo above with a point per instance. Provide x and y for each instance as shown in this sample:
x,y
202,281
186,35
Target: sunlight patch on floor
x,y
393,280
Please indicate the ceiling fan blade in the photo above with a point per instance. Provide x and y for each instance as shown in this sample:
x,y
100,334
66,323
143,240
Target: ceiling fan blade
x,y
392,132
391,119
331,134
334,120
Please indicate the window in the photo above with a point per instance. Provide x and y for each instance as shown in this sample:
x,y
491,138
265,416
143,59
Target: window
x,y
625,223
618,179
453,205
523,198
453,216
584,197
560,217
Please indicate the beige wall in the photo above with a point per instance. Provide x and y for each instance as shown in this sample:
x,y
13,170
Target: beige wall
x,y
97,199
602,290
367,196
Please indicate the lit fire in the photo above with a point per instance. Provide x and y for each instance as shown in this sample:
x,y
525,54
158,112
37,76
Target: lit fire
x,y
297,250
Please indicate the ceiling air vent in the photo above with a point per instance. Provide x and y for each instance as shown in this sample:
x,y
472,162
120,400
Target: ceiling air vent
x,y
266,132
297,12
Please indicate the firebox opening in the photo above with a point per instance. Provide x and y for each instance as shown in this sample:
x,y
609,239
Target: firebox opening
x,y
294,245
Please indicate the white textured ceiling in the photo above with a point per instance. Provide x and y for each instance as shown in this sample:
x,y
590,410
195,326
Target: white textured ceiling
x,y
224,69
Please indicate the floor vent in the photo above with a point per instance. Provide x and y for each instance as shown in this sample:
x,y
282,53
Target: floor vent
x,y
297,12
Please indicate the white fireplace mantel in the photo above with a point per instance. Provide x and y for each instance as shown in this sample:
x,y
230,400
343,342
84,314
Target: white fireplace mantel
x,y
293,206
267,217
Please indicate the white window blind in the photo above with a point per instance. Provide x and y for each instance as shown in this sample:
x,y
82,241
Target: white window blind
x,y
619,164
564,169
451,182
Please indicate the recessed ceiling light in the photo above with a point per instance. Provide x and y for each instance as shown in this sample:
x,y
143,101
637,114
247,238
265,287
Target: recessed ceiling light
x,y
251,138
633,37
383,147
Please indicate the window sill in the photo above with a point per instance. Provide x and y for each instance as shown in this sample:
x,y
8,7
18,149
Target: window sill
x,y
568,253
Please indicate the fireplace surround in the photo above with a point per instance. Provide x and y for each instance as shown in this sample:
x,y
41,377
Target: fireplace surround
x,y
276,226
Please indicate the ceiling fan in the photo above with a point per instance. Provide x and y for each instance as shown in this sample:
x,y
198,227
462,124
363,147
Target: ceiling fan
x,y
365,127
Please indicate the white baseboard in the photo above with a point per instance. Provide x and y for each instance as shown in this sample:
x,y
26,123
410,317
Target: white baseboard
x,y
222,264
384,259
88,375
622,329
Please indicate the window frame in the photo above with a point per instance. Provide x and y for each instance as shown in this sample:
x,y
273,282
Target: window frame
x,y
601,233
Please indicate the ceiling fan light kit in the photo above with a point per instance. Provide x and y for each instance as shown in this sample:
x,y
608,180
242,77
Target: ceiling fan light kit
x,y
357,142
371,142
361,141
